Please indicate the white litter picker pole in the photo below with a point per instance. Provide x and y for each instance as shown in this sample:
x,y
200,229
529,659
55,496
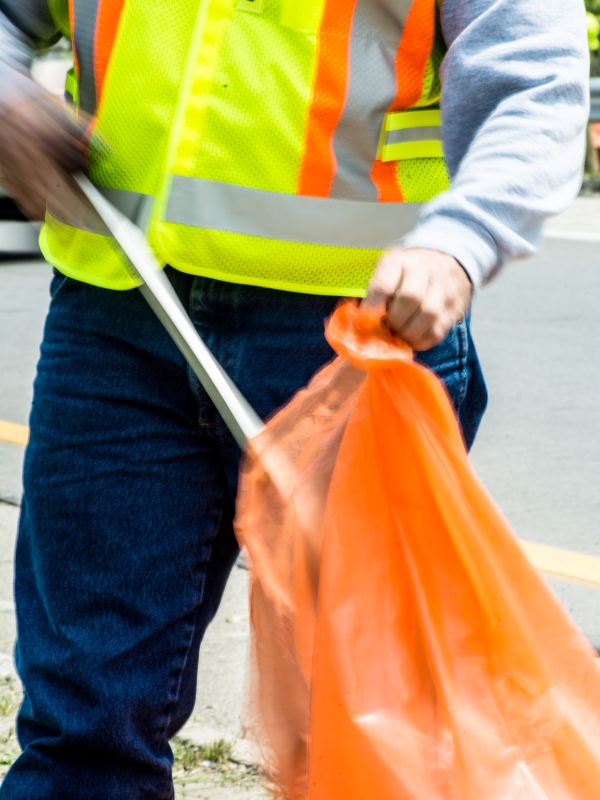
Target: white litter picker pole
x,y
241,419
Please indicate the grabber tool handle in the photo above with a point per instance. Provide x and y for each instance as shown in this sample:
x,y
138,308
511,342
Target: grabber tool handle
x,y
239,416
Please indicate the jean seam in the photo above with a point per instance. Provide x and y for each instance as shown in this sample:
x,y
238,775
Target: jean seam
x,y
175,700
59,291
463,362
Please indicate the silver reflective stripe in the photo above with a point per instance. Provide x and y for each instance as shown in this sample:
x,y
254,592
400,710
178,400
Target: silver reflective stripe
x,y
135,206
85,13
66,206
286,217
425,133
376,33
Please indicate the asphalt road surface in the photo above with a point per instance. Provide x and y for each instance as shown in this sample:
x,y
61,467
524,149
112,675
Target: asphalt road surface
x,y
537,329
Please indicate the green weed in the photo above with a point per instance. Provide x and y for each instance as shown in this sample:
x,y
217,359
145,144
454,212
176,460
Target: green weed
x,y
189,755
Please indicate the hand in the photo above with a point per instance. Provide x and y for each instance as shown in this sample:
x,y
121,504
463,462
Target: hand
x,y
40,142
424,291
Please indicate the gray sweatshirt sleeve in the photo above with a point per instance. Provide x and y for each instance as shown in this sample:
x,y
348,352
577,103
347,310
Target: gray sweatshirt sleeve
x,y
31,18
514,110
16,52
24,27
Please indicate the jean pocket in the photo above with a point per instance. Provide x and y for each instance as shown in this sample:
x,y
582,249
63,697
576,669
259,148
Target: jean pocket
x,y
449,361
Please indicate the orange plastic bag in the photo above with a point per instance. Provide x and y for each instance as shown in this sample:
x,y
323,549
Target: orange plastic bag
x,y
402,645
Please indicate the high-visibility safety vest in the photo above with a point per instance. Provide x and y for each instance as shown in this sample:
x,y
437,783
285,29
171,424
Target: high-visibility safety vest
x,y
280,143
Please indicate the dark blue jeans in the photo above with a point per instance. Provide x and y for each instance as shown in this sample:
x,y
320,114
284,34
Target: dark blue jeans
x,y
125,540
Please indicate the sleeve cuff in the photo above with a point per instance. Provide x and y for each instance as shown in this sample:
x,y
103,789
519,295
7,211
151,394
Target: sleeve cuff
x,y
464,240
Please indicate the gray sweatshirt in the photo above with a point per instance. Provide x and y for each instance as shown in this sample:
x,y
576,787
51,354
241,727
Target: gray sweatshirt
x,y
514,110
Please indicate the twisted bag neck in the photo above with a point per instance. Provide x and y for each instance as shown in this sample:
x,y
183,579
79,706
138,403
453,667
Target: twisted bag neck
x,y
363,338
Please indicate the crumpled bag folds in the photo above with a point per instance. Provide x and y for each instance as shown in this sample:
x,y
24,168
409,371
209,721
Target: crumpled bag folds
x,y
402,644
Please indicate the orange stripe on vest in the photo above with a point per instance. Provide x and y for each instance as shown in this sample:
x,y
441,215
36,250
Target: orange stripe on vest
x,y
411,63
317,168
107,23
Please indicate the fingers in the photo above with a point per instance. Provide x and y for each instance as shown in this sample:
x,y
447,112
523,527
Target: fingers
x,y
404,309
26,177
425,292
25,181
62,135
430,323
385,280
38,138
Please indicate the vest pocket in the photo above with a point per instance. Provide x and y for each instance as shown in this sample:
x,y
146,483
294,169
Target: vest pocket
x,y
411,134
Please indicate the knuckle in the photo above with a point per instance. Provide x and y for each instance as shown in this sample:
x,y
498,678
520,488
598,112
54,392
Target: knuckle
x,y
424,344
409,296
430,312
389,261
438,332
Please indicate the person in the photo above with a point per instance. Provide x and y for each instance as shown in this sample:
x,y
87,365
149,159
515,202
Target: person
x,y
279,155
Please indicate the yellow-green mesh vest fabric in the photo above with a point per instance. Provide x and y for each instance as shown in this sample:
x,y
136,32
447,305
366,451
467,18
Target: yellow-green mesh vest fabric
x,y
131,133
220,93
244,125
422,179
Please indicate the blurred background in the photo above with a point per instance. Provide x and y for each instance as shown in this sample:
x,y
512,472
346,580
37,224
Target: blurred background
x,y
537,329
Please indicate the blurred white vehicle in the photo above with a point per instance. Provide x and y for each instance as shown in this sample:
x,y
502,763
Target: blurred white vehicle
x,y
17,236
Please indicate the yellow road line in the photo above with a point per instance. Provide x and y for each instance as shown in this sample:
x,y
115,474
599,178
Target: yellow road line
x,y
553,561
564,564
13,433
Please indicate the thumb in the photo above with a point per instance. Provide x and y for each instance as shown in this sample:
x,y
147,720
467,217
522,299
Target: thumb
x,y
385,281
